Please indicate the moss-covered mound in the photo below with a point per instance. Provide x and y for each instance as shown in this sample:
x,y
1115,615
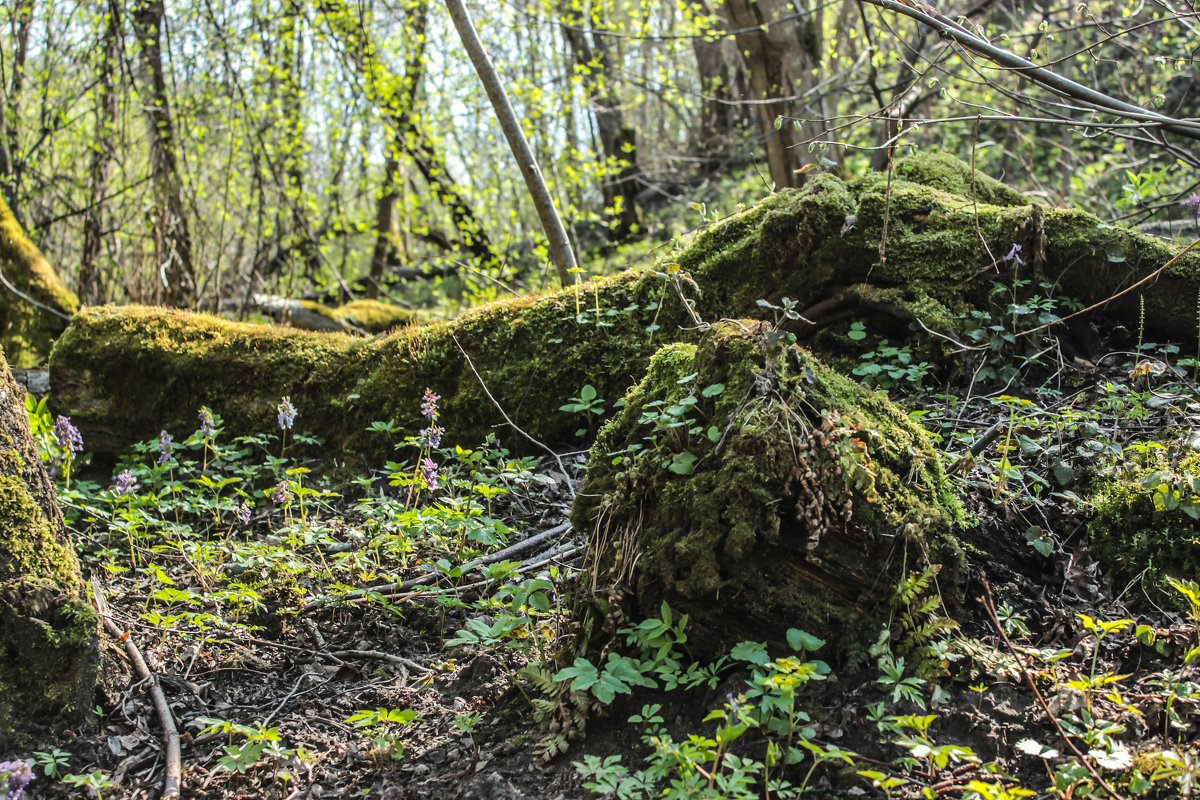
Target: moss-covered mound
x,y
124,374
755,489
1145,527
47,629
374,316
28,329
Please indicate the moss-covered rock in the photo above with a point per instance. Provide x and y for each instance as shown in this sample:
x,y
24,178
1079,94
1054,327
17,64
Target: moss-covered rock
x,y
374,316
27,330
755,489
48,631
1141,528
949,174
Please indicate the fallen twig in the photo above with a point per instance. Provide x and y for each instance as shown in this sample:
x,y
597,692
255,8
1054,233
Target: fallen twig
x,y
174,769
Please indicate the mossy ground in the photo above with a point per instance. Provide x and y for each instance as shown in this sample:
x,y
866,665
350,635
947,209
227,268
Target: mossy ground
x,y
756,533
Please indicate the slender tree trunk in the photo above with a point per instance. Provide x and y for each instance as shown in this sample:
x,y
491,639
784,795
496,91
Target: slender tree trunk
x,y
91,286
723,82
385,223
781,46
556,233
11,164
173,243
618,140
395,97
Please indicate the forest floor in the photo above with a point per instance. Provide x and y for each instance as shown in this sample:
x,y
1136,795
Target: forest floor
x,y
287,679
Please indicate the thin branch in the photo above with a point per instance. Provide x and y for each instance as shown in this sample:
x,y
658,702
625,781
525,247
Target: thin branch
x,y
173,780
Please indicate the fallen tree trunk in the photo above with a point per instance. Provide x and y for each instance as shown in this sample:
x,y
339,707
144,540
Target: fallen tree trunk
x,y
125,373
34,305
48,631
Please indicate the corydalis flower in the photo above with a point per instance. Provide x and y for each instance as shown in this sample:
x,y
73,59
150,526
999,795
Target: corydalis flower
x,y
1014,254
429,408
124,483
429,469
14,777
432,436
244,513
1192,203
287,414
208,428
166,447
281,494
68,435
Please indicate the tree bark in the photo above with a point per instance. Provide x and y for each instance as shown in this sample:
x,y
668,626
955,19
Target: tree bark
x,y
723,82
173,242
48,632
385,224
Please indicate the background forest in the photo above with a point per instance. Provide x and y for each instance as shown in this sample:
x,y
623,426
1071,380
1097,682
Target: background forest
x,y
190,152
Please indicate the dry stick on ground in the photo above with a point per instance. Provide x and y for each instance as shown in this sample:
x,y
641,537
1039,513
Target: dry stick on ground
x,y
174,769
512,424
424,580
989,605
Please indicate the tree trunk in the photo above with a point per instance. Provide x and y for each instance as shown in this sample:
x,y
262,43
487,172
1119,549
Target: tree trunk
x,y
723,120
48,632
128,373
11,164
34,305
173,242
91,279
396,98
385,223
618,141
782,52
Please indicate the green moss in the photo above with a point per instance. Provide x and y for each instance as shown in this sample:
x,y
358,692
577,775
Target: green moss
x,y
375,317
949,174
27,331
704,540
1134,540
124,374
47,629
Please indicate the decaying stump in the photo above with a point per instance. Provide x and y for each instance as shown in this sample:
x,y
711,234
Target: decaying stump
x,y
125,373
755,489
34,304
48,631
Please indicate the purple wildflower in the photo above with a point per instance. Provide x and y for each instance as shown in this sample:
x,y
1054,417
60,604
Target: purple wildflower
x,y
125,482
429,408
432,436
68,435
208,428
244,513
429,469
1192,202
281,494
165,447
287,414
1014,253
14,777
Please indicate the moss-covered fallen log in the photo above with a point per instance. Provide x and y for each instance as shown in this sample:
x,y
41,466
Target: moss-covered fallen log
x,y
34,304
125,373
753,488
